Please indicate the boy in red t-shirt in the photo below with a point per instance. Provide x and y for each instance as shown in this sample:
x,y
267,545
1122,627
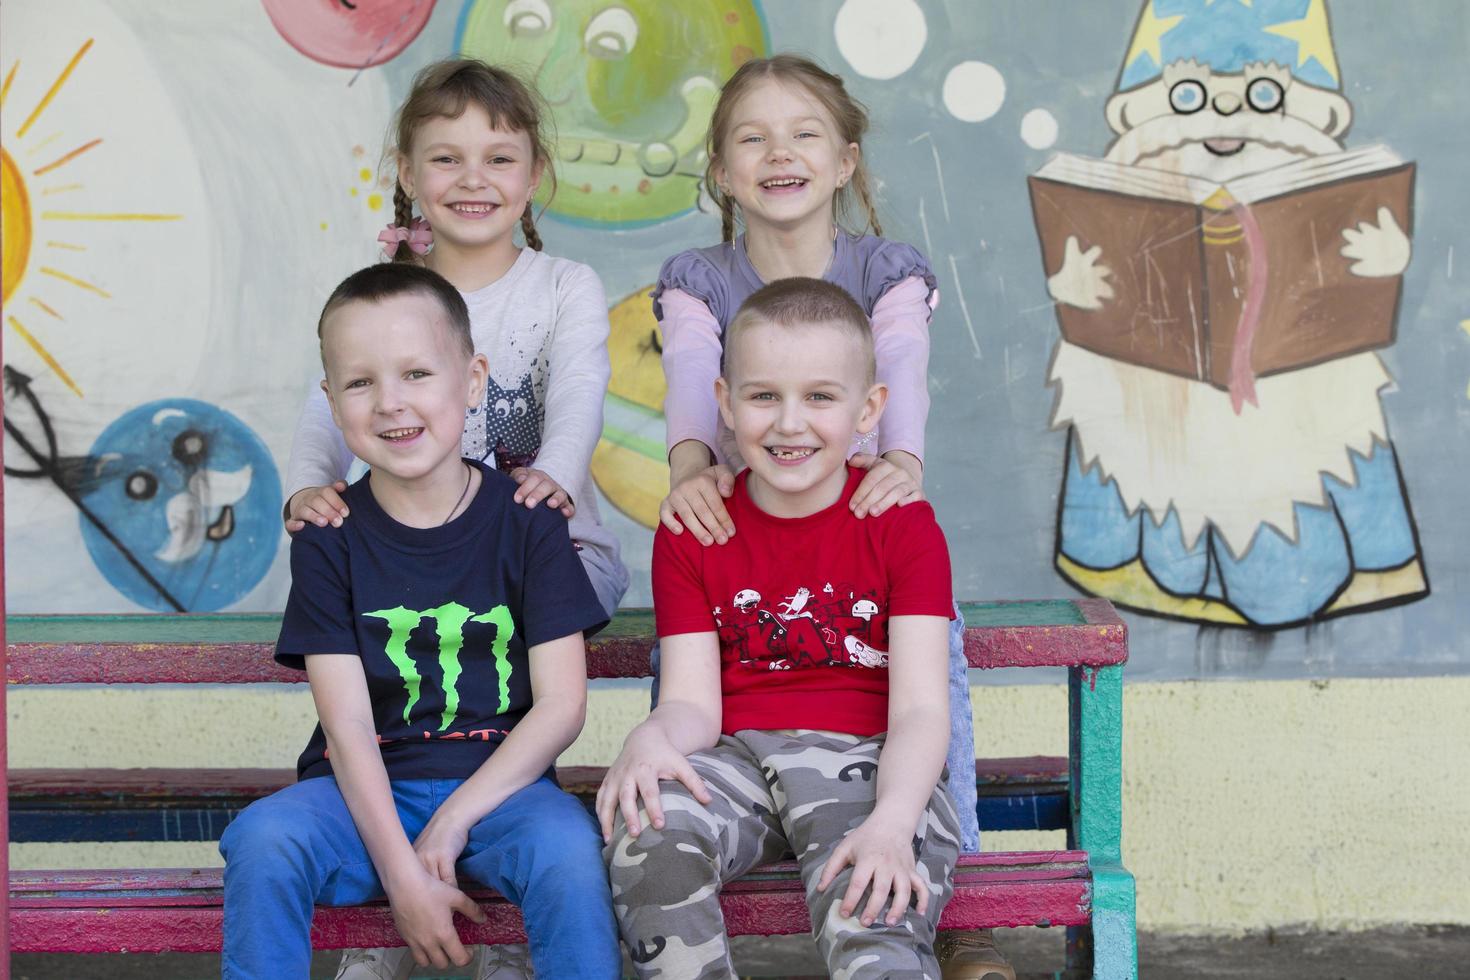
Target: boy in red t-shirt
x,y
781,727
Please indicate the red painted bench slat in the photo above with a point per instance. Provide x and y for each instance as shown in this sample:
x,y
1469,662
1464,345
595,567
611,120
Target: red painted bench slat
x,y
173,786
1101,640
180,909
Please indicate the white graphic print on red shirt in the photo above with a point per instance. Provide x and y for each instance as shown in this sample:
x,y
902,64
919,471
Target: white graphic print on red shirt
x,y
829,627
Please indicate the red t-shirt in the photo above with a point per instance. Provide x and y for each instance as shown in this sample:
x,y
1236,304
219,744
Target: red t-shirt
x,y
801,606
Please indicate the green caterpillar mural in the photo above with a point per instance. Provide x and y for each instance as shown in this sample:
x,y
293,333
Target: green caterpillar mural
x,y
631,86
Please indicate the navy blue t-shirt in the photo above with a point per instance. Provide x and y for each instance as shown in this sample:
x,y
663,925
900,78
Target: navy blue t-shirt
x,y
442,618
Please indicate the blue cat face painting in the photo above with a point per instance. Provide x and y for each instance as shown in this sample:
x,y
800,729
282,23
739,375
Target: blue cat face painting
x,y
181,506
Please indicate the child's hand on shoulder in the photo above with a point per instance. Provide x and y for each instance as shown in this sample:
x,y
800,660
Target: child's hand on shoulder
x,y
646,758
536,486
319,505
881,854
698,504
423,910
893,478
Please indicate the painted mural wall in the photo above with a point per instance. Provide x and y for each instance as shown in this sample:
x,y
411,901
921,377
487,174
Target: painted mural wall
x,y
1202,345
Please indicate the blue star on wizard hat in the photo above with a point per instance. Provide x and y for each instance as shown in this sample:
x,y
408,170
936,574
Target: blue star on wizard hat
x,y
1227,35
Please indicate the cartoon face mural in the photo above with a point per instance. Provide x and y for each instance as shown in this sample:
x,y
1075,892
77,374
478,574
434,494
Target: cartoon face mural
x,y
1253,484
182,506
630,464
631,85
1222,92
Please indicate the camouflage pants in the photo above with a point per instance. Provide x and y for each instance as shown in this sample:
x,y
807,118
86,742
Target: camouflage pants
x,y
775,794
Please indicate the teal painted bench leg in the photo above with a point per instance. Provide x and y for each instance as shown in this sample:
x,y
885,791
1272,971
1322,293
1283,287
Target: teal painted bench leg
x,y
1108,949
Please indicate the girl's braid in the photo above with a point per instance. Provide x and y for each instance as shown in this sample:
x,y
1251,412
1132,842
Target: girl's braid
x,y
865,199
727,218
528,228
403,218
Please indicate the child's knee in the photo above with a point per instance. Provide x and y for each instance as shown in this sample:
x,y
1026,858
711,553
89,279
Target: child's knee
x,y
564,847
256,826
262,830
682,814
661,865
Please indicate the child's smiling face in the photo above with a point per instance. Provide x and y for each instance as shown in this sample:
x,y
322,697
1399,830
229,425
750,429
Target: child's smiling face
x,y
399,381
794,396
472,181
782,158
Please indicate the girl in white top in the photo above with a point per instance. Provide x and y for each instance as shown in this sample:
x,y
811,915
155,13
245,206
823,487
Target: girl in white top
x,y
471,156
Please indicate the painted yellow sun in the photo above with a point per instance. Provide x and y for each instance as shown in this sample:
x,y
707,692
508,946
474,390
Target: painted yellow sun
x,y
24,225
16,209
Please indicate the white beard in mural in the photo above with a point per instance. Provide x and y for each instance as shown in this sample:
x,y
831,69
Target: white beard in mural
x,y
1251,480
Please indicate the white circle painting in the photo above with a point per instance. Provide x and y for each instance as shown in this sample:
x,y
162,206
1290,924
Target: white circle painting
x,y
974,91
1039,129
880,38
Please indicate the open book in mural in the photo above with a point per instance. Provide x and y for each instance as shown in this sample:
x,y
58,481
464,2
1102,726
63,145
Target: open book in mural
x,y
1222,278
1198,262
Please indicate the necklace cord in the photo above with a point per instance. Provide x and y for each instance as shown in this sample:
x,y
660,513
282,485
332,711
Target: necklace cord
x,y
468,474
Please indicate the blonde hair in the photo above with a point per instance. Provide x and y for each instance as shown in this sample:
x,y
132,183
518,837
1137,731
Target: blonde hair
x,y
799,302
444,89
850,115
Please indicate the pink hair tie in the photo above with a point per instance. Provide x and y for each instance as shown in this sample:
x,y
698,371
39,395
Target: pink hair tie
x,y
418,235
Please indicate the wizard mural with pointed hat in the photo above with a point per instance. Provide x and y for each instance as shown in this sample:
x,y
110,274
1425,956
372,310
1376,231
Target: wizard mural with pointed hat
x,y
1224,277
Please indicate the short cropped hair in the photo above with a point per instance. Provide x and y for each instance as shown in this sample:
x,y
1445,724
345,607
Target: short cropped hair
x,y
386,280
799,302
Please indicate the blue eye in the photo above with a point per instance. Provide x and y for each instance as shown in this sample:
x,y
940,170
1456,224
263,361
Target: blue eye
x,y
1187,96
1265,95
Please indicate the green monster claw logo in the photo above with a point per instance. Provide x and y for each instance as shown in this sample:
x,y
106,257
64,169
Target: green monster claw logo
x,y
449,620
631,85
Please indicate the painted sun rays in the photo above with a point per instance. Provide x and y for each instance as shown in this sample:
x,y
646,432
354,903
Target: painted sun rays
x,y
53,174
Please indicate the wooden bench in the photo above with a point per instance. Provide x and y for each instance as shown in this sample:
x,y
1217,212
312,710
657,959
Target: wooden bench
x,y
1085,888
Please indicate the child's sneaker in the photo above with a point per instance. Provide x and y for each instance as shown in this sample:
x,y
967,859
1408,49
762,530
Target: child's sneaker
x,y
972,956
512,962
394,963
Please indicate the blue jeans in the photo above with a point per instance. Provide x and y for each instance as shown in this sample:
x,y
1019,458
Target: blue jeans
x,y
960,758
299,847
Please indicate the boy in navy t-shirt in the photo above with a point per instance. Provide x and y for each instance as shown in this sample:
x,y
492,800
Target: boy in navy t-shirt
x,y
441,629
804,706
